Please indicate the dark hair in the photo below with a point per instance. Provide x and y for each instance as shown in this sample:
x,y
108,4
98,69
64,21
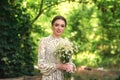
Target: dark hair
x,y
59,17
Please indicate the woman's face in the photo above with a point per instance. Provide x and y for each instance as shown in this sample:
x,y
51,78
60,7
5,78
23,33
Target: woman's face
x,y
58,27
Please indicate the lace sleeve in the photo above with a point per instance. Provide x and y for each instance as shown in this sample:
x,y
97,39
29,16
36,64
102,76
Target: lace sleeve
x,y
45,68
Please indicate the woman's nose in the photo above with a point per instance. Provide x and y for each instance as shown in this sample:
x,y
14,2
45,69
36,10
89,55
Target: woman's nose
x,y
59,27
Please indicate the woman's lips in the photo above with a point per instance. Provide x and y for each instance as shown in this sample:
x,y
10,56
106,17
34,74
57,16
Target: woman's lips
x,y
58,31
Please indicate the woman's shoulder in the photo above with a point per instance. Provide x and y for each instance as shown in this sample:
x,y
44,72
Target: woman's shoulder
x,y
65,40
44,39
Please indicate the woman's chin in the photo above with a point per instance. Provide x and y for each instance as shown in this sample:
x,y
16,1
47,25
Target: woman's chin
x,y
58,35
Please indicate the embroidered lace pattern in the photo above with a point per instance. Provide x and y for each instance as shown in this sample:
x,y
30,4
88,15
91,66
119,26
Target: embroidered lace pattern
x,y
46,58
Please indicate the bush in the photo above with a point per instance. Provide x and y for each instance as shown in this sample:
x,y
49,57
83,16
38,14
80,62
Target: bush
x,y
16,52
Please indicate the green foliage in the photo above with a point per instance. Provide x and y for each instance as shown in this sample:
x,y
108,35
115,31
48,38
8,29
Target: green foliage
x,y
16,51
86,33
87,59
110,40
94,25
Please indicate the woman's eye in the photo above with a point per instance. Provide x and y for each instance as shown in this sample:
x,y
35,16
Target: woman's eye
x,y
59,25
56,24
62,25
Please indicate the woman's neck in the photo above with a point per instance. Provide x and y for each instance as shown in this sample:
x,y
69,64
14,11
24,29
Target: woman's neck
x,y
55,36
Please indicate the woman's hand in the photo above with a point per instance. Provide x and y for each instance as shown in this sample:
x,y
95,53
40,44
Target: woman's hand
x,y
67,67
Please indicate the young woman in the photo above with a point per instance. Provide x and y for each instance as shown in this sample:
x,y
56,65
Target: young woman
x,y
50,68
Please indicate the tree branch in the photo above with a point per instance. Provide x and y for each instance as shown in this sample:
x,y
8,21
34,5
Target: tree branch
x,y
40,12
52,5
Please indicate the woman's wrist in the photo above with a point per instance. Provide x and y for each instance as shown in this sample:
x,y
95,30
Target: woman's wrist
x,y
60,66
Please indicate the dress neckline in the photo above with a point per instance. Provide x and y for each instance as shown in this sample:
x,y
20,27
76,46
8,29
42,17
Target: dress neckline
x,y
55,38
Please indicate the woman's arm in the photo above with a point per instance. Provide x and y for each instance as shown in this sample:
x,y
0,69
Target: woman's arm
x,y
45,68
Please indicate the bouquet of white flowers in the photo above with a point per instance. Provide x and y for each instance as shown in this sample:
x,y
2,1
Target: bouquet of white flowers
x,y
64,54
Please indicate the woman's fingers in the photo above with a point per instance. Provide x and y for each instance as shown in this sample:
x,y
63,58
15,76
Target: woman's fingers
x,y
69,68
66,67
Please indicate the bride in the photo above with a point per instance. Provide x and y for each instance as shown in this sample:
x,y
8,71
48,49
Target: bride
x,y
50,68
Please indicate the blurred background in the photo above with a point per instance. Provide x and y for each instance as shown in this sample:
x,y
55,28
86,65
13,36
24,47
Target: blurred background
x,y
93,25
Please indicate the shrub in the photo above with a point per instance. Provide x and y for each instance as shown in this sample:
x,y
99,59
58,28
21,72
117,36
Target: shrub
x,y
16,55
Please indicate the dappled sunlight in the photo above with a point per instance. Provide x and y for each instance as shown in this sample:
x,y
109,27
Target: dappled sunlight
x,y
65,8
91,36
48,30
73,33
24,4
87,58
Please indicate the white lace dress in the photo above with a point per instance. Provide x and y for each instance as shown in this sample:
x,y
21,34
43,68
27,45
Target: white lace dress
x,y
46,58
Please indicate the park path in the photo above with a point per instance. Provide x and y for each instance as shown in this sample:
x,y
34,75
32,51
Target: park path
x,y
82,73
